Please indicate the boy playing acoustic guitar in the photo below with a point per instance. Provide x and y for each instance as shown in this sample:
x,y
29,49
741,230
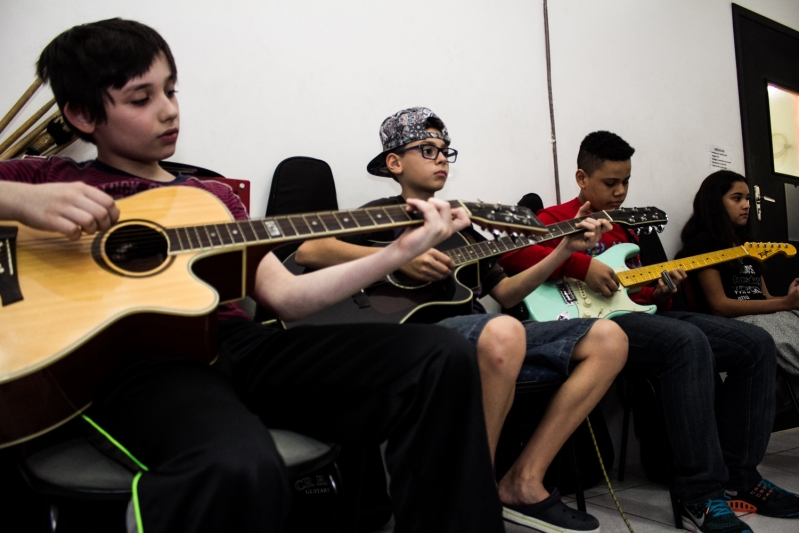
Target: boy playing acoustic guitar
x,y
197,434
417,155
715,453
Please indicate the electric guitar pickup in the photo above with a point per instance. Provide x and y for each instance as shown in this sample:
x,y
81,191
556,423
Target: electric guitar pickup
x,y
399,299
570,298
72,311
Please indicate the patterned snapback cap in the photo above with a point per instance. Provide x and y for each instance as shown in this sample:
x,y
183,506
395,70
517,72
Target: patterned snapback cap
x,y
402,128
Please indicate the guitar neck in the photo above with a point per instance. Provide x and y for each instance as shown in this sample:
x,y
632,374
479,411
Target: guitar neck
x,y
288,228
472,253
647,274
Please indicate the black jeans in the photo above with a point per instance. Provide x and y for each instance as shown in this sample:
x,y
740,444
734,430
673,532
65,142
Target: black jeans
x,y
712,450
213,467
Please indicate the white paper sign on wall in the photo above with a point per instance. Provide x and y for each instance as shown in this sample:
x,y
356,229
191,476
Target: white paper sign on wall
x,y
719,158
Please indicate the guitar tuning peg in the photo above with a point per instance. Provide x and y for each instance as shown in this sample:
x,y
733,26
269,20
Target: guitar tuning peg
x,y
649,230
513,209
496,233
637,231
661,227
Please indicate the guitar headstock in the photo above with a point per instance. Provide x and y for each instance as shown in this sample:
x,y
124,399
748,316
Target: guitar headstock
x,y
763,250
500,217
642,219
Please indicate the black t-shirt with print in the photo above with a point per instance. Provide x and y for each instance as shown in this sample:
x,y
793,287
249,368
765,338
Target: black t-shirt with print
x,y
741,278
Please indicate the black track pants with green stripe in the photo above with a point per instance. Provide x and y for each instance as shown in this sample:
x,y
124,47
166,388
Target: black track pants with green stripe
x,y
212,466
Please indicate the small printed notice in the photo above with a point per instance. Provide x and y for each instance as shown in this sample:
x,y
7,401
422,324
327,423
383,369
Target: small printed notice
x,y
719,158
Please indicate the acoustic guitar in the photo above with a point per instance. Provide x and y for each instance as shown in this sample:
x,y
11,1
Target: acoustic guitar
x,y
399,298
571,298
73,311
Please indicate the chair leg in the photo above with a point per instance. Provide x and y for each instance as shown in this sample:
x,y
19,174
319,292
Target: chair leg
x,y
577,485
790,389
625,426
334,477
675,504
52,517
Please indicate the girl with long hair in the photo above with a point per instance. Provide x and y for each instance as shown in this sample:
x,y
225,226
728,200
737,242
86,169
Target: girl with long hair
x,y
736,289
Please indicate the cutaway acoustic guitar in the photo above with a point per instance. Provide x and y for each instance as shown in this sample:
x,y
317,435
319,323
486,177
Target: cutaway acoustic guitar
x,y
73,311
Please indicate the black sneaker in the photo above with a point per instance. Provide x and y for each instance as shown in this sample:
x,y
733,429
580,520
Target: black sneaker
x,y
765,498
713,517
551,516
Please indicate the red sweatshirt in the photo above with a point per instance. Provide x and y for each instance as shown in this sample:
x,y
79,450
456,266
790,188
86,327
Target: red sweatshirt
x,y
577,265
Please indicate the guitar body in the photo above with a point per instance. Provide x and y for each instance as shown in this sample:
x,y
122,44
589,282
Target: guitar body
x,y
569,298
399,299
79,319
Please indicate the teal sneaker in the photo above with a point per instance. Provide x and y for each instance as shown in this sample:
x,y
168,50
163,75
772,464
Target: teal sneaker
x,y
765,498
713,517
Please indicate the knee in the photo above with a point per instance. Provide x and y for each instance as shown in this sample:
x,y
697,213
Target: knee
x,y
609,342
502,345
249,462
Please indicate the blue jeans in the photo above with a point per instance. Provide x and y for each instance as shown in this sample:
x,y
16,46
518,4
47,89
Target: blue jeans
x,y
549,344
713,450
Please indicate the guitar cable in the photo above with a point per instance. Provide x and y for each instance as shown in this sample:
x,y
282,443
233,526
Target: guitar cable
x,y
607,479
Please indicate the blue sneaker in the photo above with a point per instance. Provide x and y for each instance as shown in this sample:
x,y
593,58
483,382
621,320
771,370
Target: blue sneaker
x,y
765,498
713,517
551,516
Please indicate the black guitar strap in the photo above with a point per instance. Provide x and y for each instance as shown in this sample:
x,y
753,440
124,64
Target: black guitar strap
x,y
9,283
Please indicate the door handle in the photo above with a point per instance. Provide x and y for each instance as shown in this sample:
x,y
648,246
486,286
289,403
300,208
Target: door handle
x,y
759,199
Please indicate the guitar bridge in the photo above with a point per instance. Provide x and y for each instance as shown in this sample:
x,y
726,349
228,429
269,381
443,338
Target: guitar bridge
x,y
566,292
9,282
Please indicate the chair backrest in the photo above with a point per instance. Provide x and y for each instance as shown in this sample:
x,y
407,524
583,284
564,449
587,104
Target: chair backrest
x,y
300,185
241,188
532,202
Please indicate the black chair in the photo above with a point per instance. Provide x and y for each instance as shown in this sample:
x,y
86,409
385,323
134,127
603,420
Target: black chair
x,y
66,468
301,185
534,386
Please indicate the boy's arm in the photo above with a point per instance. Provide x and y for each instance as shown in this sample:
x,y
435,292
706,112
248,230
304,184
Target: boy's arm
x,y
511,291
293,297
574,266
432,265
67,208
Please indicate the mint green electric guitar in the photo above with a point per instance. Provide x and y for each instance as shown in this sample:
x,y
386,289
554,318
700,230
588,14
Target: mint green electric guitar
x,y
570,298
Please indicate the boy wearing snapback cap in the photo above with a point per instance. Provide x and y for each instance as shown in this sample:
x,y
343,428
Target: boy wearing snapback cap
x,y
417,155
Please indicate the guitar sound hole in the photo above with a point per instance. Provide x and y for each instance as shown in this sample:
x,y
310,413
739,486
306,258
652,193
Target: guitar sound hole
x,y
136,248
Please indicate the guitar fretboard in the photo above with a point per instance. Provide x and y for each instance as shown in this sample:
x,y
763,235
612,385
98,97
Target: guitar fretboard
x,y
289,227
474,252
647,274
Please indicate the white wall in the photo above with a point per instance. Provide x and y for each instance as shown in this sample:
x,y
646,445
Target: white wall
x,y
264,80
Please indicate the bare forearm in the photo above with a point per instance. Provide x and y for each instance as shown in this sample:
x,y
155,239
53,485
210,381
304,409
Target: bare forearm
x,y
293,297
11,197
730,308
323,253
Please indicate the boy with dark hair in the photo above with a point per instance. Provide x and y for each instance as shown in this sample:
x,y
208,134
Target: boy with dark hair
x,y
198,434
715,453
416,154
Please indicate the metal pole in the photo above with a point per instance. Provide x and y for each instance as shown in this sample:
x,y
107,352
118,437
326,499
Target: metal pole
x,y
553,140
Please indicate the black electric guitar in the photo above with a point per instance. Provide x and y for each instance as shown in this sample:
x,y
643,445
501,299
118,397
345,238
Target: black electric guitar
x,y
73,310
399,298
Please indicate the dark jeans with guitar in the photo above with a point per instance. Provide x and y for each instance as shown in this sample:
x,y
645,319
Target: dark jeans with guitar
x,y
690,348
213,467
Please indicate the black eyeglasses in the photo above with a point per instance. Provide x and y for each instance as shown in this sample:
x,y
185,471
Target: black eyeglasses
x,y
431,151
